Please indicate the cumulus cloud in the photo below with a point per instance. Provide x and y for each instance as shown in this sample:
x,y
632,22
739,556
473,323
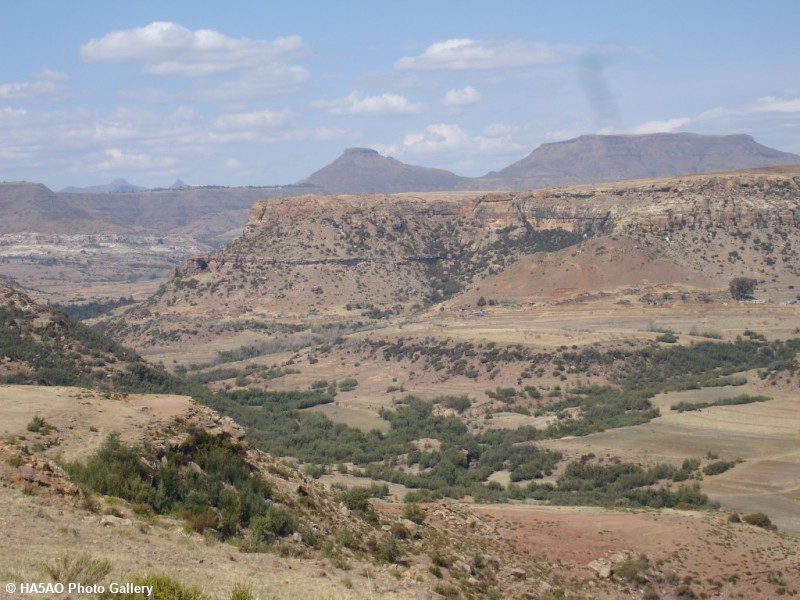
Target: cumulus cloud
x,y
267,80
466,96
467,54
452,139
116,159
256,119
167,48
373,106
47,85
780,105
665,126
761,115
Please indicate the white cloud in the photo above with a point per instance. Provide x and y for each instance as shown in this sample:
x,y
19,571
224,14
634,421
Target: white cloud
x,y
167,48
665,126
468,54
116,159
373,106
437,138
270,79
262,118
46,85
450,138
466,96
13,113
780,105
233,164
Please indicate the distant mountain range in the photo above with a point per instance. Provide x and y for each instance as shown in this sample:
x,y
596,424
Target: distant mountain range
x,y
115,187
118,186
587,159
583,160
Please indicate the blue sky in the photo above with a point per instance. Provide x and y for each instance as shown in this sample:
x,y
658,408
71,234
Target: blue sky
x,y
265,93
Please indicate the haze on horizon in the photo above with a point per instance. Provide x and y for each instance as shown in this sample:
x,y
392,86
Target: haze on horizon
x,y
249,94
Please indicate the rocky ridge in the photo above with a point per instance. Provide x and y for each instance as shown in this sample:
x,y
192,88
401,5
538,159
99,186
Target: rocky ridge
x,y
321,255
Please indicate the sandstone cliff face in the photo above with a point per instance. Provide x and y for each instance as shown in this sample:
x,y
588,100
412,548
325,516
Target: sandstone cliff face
x,y
323,254
474,228
770,198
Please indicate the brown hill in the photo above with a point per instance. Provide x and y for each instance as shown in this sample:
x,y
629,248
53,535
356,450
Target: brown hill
x,y
601,158
33,207
364,171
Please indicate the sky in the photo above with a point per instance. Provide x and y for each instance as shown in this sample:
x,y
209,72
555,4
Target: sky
x,y
267,92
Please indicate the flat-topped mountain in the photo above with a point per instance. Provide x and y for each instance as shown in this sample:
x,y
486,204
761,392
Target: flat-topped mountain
x,y
602,158
365,171
586,159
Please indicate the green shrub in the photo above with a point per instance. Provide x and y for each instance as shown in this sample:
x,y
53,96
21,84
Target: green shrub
x,y
201,520
758,519
717,467
242,591
389,550
347,384
356,498
414,513
77,568
457,403
164,588
39,425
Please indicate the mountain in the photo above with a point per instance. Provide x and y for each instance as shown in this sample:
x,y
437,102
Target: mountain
x,y
33,207
365,171
602,158
116,186
586,159
52,239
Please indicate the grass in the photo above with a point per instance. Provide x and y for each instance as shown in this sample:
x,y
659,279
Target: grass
x,y
77,568
164,588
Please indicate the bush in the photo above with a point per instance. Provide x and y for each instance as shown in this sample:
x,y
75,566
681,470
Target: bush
x,y
347,384
457,403
388,550
39,425
164,588
414,513
758,519
242,592
742,288
667,338
717,467
278,522
201,520
80,568
356,498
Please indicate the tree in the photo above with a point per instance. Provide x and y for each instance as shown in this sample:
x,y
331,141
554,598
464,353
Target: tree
x,y
742,287
481,301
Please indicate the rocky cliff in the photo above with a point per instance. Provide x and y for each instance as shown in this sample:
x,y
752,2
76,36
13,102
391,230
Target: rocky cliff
x,y
333,255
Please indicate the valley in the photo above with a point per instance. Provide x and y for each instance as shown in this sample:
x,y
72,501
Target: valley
x,y
568,382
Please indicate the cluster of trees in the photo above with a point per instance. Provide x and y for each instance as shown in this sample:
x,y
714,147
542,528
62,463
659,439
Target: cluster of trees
x,y
223,495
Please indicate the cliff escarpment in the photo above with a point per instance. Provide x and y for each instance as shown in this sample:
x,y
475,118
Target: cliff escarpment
x,y
391,254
